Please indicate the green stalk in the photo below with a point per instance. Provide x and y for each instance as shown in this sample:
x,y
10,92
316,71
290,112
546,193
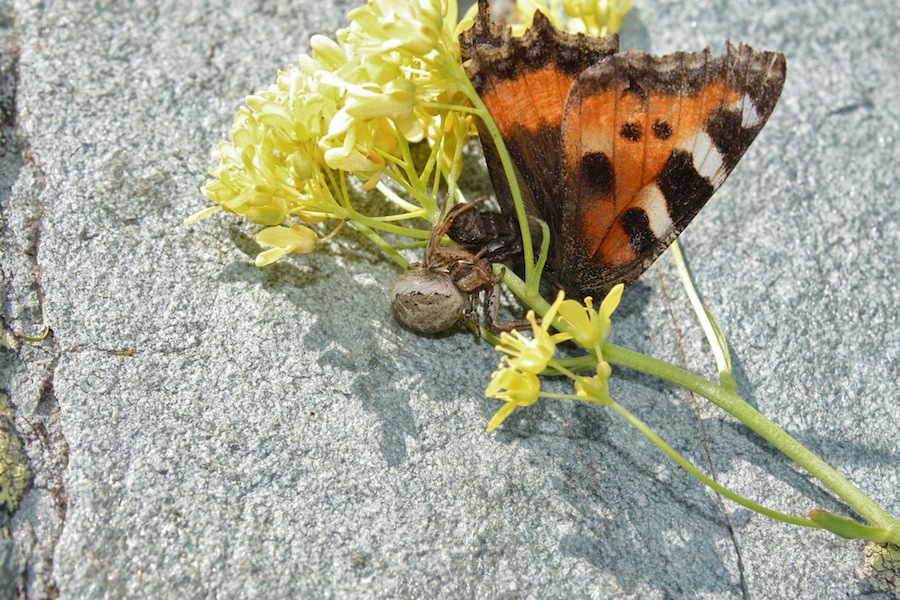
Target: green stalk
x,y
737,407
508,171
709,481
521,289
396,199
412,177
373,223
716,342
379,241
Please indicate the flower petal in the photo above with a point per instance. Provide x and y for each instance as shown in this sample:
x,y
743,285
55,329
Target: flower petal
x,y
285,240
501,415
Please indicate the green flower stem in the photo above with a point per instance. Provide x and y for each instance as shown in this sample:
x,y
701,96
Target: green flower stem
x,y
562,370
510,173
456,166
589,362
723,364
534,286
434,168
415,184
419,194
404,174
373,223
729,401
416,214
577,364
518,287
489,337
367,223
35,339
709,481
737,407
382,244
555,396
396,199
433,171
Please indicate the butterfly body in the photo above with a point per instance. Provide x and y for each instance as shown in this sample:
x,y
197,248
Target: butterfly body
x,y
615,152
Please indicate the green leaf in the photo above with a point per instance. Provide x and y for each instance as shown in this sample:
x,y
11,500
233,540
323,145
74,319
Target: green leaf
x,y
848,528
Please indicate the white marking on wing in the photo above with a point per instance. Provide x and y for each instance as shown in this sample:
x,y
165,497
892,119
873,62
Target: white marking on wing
x,y
706,157
652,200
750,117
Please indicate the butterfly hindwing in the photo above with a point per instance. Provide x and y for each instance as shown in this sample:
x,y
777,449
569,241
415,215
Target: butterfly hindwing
x,y
646,141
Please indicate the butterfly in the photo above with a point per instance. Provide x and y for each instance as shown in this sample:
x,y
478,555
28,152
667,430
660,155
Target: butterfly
x,y
615,152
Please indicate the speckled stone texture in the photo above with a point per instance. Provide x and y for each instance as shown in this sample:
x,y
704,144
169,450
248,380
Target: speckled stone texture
x,y
199,427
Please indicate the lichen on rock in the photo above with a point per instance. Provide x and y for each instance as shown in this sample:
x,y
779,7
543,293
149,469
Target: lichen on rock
x,y
15,476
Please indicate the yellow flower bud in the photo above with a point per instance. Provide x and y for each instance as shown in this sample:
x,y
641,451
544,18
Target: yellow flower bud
x,y
284,241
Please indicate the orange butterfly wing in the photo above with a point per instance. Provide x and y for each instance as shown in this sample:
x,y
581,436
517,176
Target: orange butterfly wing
x,y
524,83
646,142
615,152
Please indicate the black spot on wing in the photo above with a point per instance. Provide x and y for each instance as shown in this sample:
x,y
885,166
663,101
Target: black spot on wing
x,y
662,130
597,176
631,131
685,190
637,225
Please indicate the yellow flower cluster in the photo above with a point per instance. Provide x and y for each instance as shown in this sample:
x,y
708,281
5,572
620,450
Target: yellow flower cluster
x,y
351,107
516,382
587,326
354,106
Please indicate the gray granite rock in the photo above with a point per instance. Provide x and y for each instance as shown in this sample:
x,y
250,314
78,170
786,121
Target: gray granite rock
x,y
200,427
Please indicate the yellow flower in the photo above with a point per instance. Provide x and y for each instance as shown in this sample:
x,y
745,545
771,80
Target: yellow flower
x,y
327,53
411,27
594,17
345,153
391,48
397,100
588,326
589,329
532,354
516,388
267,166
202,214
595,389
352,107
516,382
283,241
